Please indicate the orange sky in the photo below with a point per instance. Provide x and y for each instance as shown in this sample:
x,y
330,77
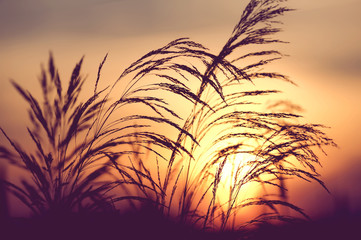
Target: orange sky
x,y
324,49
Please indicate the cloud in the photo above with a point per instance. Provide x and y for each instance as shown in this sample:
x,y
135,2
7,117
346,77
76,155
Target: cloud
x,y
349,64
111,17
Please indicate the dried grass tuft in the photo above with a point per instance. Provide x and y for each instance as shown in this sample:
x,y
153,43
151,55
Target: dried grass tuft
x,y
96,155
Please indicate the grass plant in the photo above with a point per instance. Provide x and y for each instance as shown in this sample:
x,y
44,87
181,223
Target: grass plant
x,y
100,153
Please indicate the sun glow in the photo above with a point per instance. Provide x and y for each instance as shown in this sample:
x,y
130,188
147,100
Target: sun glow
x,y
232,187
235,177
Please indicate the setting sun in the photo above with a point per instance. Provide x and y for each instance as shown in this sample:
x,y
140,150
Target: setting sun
x,y
234,172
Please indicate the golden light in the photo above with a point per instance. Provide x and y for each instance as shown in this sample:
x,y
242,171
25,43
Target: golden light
x,y
234,178
234,188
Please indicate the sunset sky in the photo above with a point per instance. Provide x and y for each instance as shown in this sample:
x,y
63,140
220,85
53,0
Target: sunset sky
x,y
324,49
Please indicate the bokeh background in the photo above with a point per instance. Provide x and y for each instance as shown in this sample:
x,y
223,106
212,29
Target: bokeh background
x,y
324,60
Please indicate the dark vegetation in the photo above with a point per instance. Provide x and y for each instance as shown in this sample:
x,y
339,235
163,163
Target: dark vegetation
x,y
107,166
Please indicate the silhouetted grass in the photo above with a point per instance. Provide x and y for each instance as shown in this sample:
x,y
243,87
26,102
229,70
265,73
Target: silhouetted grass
x,y
103,155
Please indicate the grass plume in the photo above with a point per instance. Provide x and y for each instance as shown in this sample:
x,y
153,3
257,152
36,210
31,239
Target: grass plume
x,y
96,155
